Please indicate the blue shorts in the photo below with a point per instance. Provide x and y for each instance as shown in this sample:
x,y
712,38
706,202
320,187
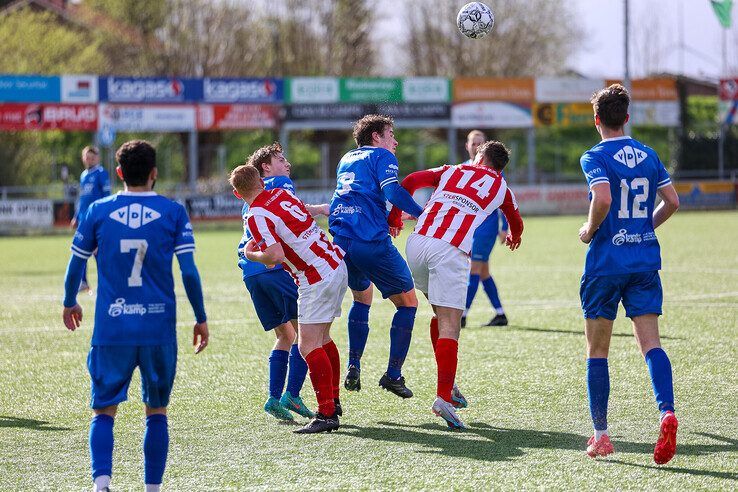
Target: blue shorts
x,y
274,295
375,262
482,247
111,368
640,294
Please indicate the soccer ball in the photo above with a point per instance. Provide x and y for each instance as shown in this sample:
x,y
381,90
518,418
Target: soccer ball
x,y
475,20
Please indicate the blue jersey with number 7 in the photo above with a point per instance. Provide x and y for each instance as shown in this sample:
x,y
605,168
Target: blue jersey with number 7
x,y
136,236
626,241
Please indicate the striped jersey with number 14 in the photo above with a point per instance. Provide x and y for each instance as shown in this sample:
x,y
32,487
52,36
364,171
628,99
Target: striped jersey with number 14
x,y
278,216
465,196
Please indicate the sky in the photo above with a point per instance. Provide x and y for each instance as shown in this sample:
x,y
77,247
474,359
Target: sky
x,y
655,27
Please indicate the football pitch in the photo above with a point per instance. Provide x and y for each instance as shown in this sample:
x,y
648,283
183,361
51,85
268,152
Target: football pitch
x,y
528,416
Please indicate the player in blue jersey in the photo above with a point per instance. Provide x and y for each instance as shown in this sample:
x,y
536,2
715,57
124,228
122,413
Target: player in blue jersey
x,y
136,233
274,295
94,184
623,262
493,227
367,179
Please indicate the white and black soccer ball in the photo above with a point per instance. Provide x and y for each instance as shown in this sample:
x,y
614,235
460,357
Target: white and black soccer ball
x,y
475,20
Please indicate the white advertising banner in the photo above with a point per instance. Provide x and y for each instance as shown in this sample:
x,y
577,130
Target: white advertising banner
x,y
313,90
566,89
657,113
26,213
147,118
79,89
491,115
426,90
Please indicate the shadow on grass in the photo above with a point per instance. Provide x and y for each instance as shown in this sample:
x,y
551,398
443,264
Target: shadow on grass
x,y
502,444
569,332
7,421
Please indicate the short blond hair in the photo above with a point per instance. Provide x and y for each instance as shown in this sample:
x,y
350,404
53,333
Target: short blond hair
x,y
90,148
245,179
476,133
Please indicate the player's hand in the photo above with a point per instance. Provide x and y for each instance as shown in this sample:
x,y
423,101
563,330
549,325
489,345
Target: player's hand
x,y
395,231
585,235
250,246
407,216
503,237
325,209
512,243
72,317
200,331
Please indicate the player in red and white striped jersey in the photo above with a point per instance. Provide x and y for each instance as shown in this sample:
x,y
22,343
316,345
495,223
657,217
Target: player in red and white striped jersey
x,y
438,249
284,232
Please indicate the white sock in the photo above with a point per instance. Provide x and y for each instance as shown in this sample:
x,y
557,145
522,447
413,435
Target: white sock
x,y
500,311
600,433
101,482
153,487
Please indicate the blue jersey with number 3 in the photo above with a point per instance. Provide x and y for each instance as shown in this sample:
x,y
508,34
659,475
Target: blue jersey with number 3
x,y
359,206
136,236
626,241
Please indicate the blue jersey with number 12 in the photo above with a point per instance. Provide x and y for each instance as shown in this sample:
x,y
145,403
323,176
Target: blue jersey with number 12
x,y
251,268
359,206
136,236
626,241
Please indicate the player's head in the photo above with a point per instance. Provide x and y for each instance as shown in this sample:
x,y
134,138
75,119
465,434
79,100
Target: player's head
x,y
246,182
90,156
136,163
493,154
611,107
375,130
270,161
473,141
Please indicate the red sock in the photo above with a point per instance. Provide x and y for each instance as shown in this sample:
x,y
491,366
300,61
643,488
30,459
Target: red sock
x,y
332,352
447,350
434,332
320,375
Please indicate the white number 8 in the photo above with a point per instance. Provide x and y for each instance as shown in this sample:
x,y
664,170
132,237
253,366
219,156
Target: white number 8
x,y
345,180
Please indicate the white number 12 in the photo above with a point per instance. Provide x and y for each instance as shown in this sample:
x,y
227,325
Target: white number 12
x,y
140,245
638,212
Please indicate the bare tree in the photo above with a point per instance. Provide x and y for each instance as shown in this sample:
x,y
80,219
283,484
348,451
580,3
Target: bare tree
x,y
533,37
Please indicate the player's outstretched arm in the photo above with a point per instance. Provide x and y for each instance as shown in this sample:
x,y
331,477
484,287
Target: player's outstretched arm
x,y
316,210
510,210
399,197
72,314
669,204
412,183
599,207
193,288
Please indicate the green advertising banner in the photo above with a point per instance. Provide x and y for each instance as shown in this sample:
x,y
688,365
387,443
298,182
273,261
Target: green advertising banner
x,y
370,90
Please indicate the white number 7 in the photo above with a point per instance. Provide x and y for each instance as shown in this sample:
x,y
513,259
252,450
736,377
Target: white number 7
x,y
140,245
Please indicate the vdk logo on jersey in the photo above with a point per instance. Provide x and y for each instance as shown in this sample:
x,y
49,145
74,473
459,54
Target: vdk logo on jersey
x,y
629,156
120,307
134,215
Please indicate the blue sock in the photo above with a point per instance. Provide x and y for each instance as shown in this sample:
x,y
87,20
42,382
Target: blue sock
x,y
101,445
471,289
598,390
358,331
156,445
400,334
277,372
491,289
298,371
659,367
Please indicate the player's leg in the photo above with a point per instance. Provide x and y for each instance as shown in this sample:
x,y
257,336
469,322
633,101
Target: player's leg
x,y
278,362
332,351
642,300
600,297
490,288
297,371
158,366
110,369
472,285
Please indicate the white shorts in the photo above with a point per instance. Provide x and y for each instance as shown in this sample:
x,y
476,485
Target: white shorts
x,y
440,271
321,302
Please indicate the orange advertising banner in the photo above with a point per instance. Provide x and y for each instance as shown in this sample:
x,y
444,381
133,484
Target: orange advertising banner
x,y
484,89
662,89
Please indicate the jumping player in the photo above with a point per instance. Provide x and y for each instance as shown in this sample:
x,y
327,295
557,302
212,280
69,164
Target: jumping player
x,y
367,179
274,294
136,233
495,226
94,184
438,249
284,232
622,262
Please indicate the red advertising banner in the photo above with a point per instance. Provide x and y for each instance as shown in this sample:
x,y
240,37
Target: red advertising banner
x,y
236,116
69,117
728,89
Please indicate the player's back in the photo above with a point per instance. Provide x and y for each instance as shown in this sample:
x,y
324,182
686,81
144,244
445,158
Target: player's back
x,y
465,196
626,241
136,235
359,207
279,216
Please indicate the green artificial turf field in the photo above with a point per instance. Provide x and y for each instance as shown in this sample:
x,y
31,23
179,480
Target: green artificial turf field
x,y
528,417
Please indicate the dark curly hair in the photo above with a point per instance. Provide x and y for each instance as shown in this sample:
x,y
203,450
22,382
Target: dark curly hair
x,y
611,105
136,159
496,153
263,155
369,124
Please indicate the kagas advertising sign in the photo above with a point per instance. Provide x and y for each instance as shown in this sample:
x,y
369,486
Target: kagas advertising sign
x,y
29,88
236,116
69,117
147,118
242,90
149,90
